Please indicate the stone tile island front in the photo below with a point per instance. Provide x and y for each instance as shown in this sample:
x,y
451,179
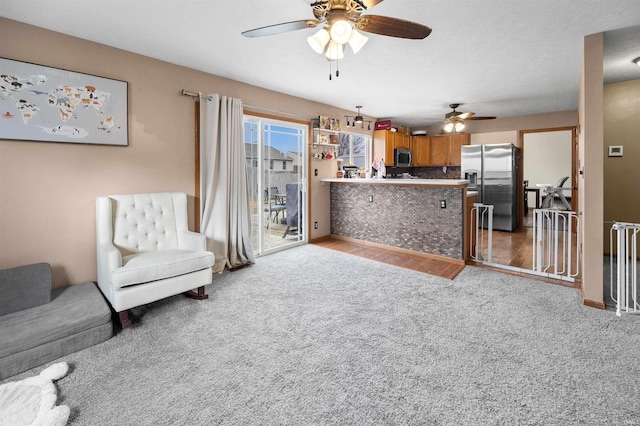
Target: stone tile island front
x,y
422,215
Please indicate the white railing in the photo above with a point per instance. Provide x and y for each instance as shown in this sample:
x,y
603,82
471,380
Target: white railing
x,y
481,225
623,236
556,243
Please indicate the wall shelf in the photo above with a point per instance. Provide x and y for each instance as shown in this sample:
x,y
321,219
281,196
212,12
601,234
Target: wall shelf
x,y
319,129
321,140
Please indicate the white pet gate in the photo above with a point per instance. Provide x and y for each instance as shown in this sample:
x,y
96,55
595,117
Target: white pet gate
x,y
556,238
623,262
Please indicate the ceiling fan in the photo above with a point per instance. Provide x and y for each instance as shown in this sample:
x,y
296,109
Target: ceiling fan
x,y
454,120
338,21
463,115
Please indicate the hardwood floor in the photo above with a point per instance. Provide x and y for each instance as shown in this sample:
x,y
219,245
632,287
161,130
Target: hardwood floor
x,y
418,262
515,249
509,248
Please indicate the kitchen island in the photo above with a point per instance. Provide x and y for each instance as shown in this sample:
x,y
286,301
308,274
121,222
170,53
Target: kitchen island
x,y
422,215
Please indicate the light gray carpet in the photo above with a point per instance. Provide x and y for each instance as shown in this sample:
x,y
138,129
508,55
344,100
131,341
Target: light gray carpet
x,y
312,336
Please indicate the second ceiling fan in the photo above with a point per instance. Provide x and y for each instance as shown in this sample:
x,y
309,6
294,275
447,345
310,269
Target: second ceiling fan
x,y
464,115
454,120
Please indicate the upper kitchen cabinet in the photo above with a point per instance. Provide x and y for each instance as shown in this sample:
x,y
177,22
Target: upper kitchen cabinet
x,y
385,141
457,141
383,144
420,150
402,140
445,150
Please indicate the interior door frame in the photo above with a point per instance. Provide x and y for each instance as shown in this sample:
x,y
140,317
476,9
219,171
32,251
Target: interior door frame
x,y
574,166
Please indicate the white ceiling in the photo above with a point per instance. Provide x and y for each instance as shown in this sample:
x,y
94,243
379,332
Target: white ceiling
x,y
497,57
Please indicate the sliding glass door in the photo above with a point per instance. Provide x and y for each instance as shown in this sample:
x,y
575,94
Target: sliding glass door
x,y
276,171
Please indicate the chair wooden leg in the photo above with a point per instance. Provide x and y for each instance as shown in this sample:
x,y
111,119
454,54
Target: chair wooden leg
x,y
123,317
199,294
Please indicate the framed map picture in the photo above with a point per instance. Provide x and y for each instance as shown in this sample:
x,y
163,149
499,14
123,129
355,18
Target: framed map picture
x,y
39,103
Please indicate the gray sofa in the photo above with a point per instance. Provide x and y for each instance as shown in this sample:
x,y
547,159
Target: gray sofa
x,y
38,325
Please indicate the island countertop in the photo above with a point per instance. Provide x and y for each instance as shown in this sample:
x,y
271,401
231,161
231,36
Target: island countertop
x,y
376,181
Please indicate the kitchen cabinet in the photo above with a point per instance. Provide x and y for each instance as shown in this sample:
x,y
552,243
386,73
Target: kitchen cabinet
x,y
420,150
401,140
426,150
445,150
385,141
381,140
457,141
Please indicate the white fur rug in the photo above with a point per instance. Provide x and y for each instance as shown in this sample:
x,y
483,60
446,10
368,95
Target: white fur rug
x,y
32,401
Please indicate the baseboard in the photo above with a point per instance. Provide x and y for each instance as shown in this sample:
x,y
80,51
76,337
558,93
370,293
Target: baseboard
x,y
320,239
400,250
593,303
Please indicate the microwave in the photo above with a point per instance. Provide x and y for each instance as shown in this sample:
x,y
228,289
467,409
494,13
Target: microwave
x,y
401,157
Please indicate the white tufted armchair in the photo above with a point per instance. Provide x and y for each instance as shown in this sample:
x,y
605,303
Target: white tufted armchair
x,y
145,251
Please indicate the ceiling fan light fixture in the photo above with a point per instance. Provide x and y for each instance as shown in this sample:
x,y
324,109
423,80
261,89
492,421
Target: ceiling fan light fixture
x,y
357,41
334,51
448,127
453,124
319,40
341,31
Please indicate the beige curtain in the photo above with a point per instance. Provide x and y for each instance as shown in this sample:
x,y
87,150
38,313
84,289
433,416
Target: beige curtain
x,y
225,217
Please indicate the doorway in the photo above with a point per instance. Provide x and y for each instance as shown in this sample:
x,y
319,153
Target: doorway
x,y
547,156
276,174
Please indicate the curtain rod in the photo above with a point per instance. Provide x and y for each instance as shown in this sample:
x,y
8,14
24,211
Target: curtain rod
x,y
200,95
196,95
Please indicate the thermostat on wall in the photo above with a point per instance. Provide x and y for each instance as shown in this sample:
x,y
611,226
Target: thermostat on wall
x,y
615,151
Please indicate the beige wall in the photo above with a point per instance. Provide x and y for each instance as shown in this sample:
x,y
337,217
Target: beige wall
x,y
621,174
590,145
496,137
47,190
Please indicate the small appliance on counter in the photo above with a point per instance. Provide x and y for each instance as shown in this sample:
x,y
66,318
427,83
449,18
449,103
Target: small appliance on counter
x,y
350,171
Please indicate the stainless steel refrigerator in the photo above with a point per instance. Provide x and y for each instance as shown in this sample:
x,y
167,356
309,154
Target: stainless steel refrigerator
x,y
492,170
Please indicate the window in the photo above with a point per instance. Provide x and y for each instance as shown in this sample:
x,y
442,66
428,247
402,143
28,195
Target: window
x,y
353,148
284,165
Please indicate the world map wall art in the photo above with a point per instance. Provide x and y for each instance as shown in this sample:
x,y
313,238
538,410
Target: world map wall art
x,y
40,103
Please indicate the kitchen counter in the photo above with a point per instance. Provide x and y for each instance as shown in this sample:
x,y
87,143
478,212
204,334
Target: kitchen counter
x,y
376,181
422,215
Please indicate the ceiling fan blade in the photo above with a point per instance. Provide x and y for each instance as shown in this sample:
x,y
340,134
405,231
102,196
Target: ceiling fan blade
x,y
465,115
281,28
370,3
392,27
481,118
